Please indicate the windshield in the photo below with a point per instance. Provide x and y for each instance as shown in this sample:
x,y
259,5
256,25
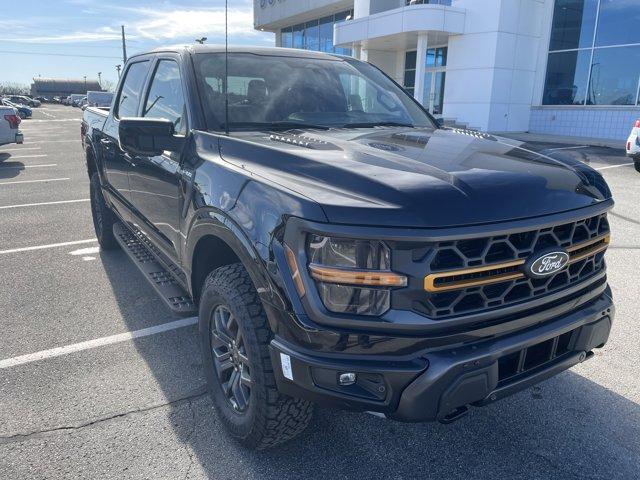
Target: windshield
x,y
274,92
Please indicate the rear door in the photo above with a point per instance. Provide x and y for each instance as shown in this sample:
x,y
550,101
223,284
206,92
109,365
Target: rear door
x,y
116,162
155,181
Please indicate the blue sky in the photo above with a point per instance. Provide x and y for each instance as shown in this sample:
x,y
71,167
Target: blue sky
x,y
74,38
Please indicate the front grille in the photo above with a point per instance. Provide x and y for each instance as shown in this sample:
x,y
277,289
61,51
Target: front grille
x,y
472,275
532,357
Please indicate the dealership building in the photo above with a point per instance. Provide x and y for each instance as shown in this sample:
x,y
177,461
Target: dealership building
x,y
561,67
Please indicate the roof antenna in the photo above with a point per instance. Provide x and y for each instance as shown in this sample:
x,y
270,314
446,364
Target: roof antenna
x,y
226,67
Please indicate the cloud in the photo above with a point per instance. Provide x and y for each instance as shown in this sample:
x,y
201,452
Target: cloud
x,y
175,24
162,24
76,37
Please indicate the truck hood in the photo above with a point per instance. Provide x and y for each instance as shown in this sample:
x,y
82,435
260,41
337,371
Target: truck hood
x,y
422,177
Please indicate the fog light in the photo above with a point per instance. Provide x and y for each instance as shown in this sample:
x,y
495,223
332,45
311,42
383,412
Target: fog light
x,y
347,378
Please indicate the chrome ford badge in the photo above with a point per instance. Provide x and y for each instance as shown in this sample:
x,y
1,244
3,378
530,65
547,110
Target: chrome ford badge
x,y
545,264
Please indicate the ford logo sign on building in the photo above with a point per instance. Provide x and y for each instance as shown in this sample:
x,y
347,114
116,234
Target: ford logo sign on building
x,y
546,264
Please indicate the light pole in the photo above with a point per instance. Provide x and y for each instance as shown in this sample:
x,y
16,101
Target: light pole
x,y
100,79
85,83
118,67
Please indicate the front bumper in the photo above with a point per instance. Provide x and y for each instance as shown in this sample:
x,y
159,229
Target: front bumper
x,y
435,384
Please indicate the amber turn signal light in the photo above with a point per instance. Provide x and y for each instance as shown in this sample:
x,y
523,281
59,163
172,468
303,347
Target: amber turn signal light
x,y
370,278
295,272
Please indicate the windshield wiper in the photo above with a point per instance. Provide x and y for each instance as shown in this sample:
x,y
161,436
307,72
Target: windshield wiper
x,y
275,125
376,124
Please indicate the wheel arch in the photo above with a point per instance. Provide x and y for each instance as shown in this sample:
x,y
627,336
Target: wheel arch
x,y
215,242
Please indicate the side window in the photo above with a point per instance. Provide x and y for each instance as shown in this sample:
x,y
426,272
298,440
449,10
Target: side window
x,y
131,90
166,98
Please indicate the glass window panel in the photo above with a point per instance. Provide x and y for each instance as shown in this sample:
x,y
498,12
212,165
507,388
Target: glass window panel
x,y
443,56
287,37
311,36
431,57
410,78
618,22
410,60
165,98
567,77
614,76
298,36
326,34
339,17
131,88
573,24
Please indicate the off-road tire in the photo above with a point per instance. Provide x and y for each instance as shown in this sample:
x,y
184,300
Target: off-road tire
x,y
270,418
103,217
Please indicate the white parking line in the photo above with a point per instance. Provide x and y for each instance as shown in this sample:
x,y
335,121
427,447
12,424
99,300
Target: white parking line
x,y
98,342
13,157
36,181
19,149
60,202
51,141
43,247
615,166
22,167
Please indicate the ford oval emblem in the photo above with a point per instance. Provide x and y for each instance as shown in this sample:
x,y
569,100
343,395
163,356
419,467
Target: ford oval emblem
x,y
547,263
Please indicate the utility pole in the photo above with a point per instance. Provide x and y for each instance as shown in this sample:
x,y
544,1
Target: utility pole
x,y
85,83
118,67
124,47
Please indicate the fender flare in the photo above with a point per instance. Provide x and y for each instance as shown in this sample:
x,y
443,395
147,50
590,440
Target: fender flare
x,y
212,222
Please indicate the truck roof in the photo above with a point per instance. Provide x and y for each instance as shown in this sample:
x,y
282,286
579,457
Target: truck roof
x,y
271,51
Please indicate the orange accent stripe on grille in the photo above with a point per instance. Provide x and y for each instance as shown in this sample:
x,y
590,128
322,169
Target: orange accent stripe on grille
x,y
598,245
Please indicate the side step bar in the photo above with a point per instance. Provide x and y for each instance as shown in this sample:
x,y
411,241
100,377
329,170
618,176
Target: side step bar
x,y
176,298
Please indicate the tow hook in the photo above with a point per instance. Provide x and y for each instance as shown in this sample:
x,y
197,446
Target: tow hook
x,y
457,414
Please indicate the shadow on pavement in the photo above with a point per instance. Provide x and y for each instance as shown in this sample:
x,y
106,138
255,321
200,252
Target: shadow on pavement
x,y
567,427
10,169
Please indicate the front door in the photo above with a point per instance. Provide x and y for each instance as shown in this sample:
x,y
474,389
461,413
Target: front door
x,y
155,181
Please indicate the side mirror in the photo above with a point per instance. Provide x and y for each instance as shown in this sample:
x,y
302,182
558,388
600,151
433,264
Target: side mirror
x,y
440,122
148,137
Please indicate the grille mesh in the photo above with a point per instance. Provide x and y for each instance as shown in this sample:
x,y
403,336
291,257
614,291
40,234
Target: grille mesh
x,y
480,252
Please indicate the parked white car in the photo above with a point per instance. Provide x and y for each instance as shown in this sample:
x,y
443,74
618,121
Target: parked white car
x,y
9,126
633,144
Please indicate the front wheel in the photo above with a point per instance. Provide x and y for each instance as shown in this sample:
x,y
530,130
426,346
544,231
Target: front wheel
x,y
235,337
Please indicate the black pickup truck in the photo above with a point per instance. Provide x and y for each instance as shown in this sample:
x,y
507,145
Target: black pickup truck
x,y
339,245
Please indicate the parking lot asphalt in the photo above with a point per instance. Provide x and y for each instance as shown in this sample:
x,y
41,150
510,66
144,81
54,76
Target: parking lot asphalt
x,y
136,408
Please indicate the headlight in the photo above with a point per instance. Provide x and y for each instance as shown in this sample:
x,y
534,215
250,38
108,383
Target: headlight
x,y
352,276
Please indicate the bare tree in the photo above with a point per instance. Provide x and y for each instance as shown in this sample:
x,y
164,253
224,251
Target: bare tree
x,y
12,88
108,86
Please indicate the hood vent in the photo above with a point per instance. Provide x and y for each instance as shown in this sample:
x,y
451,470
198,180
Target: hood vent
x,y
473,133
302,141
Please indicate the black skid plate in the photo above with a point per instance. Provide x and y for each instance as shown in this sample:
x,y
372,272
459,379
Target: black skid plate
x,y
176,298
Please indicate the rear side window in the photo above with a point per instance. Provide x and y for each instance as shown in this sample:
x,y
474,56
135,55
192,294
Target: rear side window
x,y
131,92
165,98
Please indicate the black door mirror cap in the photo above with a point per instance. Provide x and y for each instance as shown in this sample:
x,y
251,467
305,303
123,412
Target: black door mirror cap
x,y
148,136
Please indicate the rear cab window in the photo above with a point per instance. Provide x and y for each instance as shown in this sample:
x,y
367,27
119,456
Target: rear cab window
x,y
131,91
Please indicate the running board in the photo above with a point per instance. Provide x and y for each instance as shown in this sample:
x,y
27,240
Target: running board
x,y
176,298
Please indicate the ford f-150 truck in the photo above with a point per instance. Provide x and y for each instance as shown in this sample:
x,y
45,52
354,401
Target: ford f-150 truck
x,y
339,246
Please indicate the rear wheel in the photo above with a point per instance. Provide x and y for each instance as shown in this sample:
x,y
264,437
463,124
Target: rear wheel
x,y
636,163
103,217
235,337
